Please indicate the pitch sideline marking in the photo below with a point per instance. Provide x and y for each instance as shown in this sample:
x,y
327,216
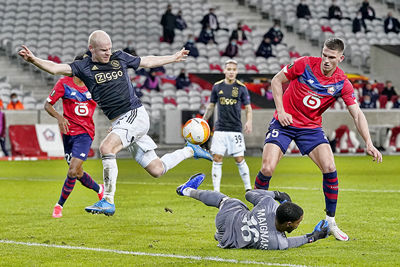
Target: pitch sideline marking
x,y
138,253
173,184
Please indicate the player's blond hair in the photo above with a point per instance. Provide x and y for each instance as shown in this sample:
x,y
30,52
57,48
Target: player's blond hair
x,y
97,36
230,61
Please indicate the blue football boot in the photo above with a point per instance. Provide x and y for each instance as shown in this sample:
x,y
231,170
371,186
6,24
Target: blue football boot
x,y
193,182
102,207
199,152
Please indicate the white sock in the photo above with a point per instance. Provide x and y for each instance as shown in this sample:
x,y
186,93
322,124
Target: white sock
x,y
186,191
170,160
216,174
110,174
244,173
331,220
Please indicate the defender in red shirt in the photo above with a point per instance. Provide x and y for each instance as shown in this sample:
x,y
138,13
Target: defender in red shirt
x,y
77,127
315,83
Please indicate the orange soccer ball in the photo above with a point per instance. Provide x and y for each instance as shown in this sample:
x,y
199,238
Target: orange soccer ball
x,y
196,131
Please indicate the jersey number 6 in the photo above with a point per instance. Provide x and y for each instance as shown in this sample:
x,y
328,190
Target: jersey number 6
x,y
81,110
311,101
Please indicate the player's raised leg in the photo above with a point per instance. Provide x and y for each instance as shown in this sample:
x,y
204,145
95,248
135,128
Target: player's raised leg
x,y
322,156
143,152
189,189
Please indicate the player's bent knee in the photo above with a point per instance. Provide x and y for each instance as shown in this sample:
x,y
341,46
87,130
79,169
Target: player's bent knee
x,y
155,168
218,158
329,169
267,170
72,172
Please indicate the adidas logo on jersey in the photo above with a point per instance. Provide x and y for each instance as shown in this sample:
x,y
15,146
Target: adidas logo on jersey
x,y
221,92
95,67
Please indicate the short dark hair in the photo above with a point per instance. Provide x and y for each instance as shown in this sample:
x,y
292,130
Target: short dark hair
x,y
335,44
288,212
79,57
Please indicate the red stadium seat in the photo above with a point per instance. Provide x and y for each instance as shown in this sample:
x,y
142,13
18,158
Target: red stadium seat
x,y
382,101
216,67
344,142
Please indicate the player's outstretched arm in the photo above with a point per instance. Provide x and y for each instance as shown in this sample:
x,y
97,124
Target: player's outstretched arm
x,y
284,118
256,195
156,61
321,230
46,65
362,126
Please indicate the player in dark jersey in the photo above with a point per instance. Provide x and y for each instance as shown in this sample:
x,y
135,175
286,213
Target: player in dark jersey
x,y
263,227
105,75
315,84
77,127
229,95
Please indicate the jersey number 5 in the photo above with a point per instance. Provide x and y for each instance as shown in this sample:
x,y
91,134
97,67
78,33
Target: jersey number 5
x,y
274,133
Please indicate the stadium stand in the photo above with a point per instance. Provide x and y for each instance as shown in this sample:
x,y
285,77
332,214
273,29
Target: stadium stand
x,y
392,141
318,28
345,140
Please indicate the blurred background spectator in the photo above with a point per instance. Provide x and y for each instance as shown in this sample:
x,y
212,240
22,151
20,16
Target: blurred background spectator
x,y
191,46
368,90
303,12
182,80
207,36
368,102
275,34
3,133
15,104
180,23
265,48
239,34
211,20
334,11
359,23
367,11
388,90
168,21
152,81
391,24
231,49
1,104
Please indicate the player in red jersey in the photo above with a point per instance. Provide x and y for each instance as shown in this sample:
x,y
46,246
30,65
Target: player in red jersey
x,y
77,127
315,83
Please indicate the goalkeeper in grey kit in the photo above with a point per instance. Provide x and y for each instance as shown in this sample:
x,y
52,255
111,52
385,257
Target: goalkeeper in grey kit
x,y
263,227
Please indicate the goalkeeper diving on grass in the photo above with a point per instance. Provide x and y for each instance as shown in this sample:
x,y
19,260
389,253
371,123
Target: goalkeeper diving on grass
x,y
263,227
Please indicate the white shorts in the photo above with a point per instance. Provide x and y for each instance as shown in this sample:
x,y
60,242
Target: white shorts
x,y
230,142
132,128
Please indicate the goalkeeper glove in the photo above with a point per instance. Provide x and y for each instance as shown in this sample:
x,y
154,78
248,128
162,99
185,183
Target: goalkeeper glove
x,y
282,197
321,230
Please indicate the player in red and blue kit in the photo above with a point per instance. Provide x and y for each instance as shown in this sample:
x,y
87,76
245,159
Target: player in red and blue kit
x,y
77,127
315,83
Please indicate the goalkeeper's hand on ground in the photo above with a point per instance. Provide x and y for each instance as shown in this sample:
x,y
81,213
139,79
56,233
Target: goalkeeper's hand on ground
x,y
321,230
282,197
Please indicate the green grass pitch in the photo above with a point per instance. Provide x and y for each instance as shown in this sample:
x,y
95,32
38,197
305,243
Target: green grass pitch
x,y
368,211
